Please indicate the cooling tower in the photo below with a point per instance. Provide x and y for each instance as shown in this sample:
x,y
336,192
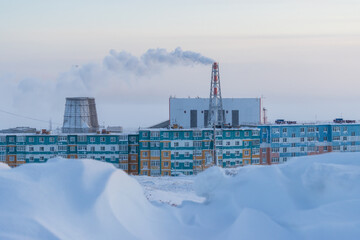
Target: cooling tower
x,y
80,115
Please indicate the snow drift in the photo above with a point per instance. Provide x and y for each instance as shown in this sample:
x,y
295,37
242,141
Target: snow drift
x,y
308,198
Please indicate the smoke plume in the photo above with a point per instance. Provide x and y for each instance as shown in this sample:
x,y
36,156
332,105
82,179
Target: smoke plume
x,y
151,60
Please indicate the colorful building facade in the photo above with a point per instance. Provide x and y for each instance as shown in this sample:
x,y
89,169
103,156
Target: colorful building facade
x,y
165,152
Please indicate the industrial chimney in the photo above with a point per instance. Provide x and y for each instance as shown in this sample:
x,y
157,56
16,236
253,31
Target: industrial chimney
x,y
216,111
80,115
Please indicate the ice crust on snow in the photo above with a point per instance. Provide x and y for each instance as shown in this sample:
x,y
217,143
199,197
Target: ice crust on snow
x,y
315,197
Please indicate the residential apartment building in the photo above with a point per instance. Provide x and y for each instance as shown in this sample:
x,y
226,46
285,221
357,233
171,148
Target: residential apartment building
x,y
188,151
165,152
279,142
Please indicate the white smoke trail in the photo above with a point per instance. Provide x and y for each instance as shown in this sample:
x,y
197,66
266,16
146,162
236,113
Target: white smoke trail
x,y
151,60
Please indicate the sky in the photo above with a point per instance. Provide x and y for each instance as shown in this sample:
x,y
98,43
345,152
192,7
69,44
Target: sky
x,y
301,57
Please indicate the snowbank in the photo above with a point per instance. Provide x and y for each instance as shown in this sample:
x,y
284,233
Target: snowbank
x,y
308,198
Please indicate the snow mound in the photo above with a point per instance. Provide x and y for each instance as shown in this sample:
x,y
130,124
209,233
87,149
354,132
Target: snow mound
x,y
308,198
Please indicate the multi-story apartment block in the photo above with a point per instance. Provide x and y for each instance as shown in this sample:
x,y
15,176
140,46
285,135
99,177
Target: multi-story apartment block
x,y
279,142
165,152
19,149
188,151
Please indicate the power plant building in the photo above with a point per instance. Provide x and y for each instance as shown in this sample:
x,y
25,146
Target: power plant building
x,y
194,112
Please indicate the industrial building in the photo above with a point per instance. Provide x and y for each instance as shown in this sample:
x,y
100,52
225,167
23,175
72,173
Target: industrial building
x,y
194,112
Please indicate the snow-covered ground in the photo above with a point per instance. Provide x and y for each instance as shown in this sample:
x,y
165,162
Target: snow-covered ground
x,y
170,190
314,197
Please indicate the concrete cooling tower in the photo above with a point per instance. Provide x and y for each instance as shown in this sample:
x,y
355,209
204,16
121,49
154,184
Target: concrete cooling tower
x,y
80,115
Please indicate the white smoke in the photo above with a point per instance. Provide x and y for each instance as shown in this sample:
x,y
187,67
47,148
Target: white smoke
x,y
151,60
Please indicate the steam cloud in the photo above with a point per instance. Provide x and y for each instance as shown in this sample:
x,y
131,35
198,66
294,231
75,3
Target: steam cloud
x,y
152,59
119,72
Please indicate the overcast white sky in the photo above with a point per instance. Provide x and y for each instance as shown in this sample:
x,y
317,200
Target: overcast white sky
x,y
302,56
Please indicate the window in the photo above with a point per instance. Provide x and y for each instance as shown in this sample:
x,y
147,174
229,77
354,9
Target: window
x,y
237,143
166,164
20,139
275,150
133,167
187,144
246,133
336,129
187,154
155,134
275,160
112,148
227,134
302,149
325,138
11,139
284,130
255,133
165,134
72,139
302,139
113,158
256,151
144,154
186,164
227,153
176,154
31,139
293,135
112,139
166,154
92,149
237,134
285,150
41,149
197,134
206,144
325,148
246,153
102,148
177,164
310,139
344,138
237,153
133,158
176,144
246,143
123,157
62,138
345,129
275,140
187,134
145,134
176,134
206,134
102,158
275,130
166,144
197,143
11,149
302,130
102,139
81,138
42,159
284,139
20,148
31,149
336,138
227,143
145,144
197,153
311,129
52,149
336,148
155,153
92,139
293,145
